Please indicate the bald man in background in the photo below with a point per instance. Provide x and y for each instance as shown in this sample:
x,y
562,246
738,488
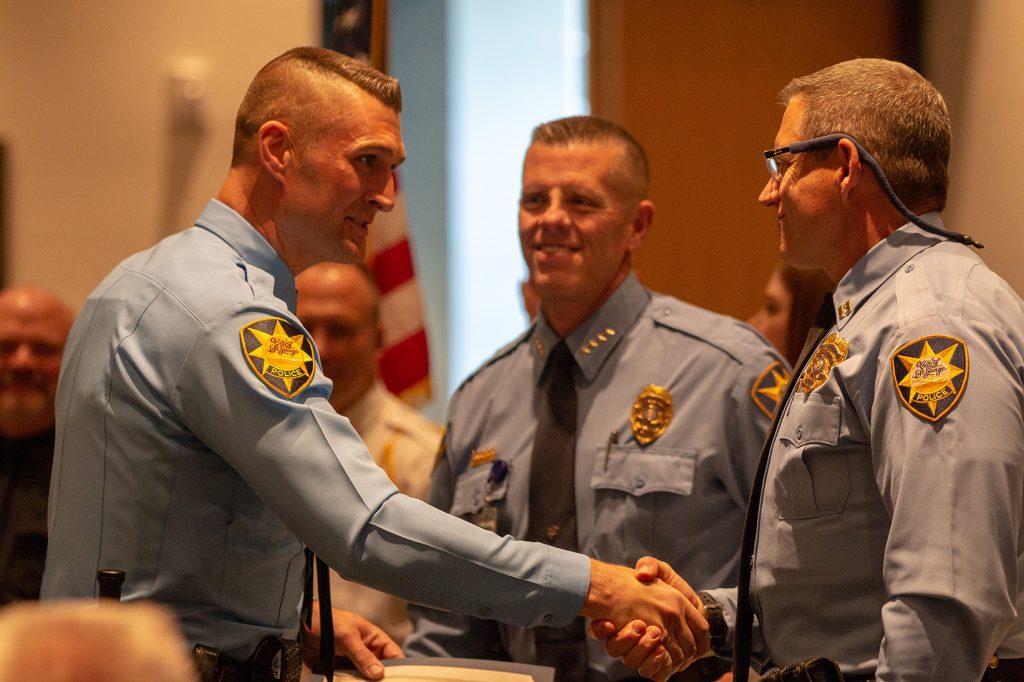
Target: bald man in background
x,y
33,327
339,304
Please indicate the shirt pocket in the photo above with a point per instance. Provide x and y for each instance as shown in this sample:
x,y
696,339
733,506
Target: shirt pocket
x,y
471,491
629,469
635,490
813,475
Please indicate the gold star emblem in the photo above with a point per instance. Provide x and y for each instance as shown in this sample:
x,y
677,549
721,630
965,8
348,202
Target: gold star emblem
x,y
930,375
279,354
769,387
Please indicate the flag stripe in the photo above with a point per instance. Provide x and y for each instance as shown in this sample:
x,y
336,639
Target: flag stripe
x,y
392,266
401,313
404,362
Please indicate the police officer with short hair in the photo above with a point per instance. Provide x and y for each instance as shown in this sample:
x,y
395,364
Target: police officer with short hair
x,y
197,450
672,402
889,536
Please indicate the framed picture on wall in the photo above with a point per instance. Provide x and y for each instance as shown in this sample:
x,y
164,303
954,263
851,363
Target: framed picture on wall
x,y
357,28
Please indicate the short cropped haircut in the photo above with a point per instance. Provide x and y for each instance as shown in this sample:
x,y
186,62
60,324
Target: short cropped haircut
x,y
897,115
565,131
295,88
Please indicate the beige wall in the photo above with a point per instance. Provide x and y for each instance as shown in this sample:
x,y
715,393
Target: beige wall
x,y
696,82
96,171
974,55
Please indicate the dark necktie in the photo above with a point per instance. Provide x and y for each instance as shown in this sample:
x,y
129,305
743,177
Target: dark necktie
x,y
744,613
552,517
323,583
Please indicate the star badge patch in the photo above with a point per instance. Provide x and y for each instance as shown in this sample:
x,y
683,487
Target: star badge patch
x,y
651,414
830,353
930,375
768,388
279,354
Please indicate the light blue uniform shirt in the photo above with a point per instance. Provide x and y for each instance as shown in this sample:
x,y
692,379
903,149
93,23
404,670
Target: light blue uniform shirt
x,y
681,497
887,539
178,464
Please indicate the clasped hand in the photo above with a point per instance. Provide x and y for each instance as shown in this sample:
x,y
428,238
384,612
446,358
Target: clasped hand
x,y
650,618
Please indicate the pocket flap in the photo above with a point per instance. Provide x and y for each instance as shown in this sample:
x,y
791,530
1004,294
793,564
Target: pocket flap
x,y
812,418
471,489
638,472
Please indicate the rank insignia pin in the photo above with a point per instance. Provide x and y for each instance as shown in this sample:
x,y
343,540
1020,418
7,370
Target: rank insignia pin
x,y
651,414
830,353
279,353
930,375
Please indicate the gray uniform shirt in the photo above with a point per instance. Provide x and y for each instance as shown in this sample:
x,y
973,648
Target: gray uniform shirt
x,y
196,449
890,527
681,497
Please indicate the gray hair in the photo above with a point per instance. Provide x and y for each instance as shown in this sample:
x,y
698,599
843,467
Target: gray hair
x,y
897,115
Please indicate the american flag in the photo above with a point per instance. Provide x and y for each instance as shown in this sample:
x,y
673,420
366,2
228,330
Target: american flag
x,y
359,28
405,360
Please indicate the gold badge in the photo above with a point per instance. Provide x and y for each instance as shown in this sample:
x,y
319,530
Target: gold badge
x,y
830,353
279,354
930,375
482,456
769,387
651,414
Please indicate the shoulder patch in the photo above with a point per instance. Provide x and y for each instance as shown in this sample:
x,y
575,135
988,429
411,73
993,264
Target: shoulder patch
x,y
769,387
930,375
279,353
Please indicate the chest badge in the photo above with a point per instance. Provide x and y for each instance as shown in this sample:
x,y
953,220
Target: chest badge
x,y
651,414
769,387
930,375
279,354
830,353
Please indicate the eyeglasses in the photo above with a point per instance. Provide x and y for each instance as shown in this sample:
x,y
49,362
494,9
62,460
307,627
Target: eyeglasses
x,y
777,167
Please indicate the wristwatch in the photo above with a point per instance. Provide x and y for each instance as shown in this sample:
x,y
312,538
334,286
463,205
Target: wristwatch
x,y
716,621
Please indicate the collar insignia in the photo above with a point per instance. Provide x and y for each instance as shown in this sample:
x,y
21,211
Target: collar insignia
x,y
279,354
830,353
595,341
651,414
930,375
768,388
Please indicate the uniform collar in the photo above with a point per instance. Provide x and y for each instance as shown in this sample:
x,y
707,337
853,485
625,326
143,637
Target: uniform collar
x,y
879,264
226,223
593,341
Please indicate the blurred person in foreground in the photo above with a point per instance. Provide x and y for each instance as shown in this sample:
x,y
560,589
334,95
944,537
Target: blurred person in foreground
x,y
80,641
661,406
339,306
33,327
886,536
196,446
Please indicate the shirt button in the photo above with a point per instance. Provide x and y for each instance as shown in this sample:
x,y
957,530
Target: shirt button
x,y
639,482
549,618
484,611
799,432
909,268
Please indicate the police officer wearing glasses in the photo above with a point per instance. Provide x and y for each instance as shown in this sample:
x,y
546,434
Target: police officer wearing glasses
x,y
885,529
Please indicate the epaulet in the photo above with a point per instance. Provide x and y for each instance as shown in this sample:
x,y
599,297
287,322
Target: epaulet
x,y
731,336
499,354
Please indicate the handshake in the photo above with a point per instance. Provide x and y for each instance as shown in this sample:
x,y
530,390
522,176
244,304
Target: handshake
x,y
650,618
